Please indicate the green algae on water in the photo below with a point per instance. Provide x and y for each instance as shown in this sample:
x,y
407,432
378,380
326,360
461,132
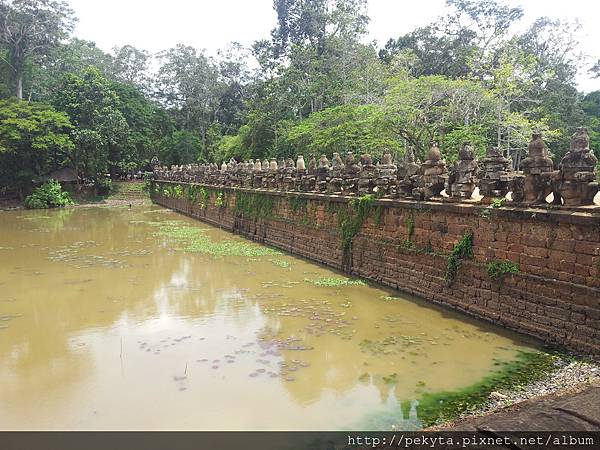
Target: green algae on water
x,y
195,240
335,282
527,368
280,263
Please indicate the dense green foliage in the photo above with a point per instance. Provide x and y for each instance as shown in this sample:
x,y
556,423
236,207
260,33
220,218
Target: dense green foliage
x,y
462,250
254,205
48,195
34,140
350,221
475,74
497,270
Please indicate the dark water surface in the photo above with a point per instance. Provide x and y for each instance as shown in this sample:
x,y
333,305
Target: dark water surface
x,y
145,319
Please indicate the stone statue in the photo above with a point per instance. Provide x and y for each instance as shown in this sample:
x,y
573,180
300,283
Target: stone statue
x,y
433,175
366,179
538,169
350,175
322,174
335,173
407,174
309,177
289,180
495,174
385,183
312,165
463,175
577,183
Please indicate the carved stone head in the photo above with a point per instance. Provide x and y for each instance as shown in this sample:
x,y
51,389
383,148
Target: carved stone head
x,y
434,154
467,152
312,163
323,162
580,141
537,146
336,162
366,160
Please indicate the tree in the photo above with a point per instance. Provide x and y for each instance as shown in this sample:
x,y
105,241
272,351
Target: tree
x,y
130,65
591,107
31,27
433,53
342,129
143,131
235,77
427,108
182,147
595,69
463,42
34,140
101,133
45,72
187,83
308,64
487,22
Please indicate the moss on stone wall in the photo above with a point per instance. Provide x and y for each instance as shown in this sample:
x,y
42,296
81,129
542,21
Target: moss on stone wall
x,y
350,221
463,249
255,205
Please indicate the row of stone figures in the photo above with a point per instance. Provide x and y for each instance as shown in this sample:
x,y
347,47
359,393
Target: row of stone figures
x,y
573,184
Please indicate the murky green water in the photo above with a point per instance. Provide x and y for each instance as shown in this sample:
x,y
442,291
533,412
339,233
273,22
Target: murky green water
x,y
145,319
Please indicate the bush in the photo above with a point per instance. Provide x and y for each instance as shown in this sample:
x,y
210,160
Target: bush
x,y
498,269
103,186
48,195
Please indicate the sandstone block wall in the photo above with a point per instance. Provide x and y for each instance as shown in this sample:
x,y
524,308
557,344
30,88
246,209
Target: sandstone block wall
x,y
404,244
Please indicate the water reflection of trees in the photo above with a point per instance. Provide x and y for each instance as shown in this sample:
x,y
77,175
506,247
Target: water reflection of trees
x,y
60,303
68,301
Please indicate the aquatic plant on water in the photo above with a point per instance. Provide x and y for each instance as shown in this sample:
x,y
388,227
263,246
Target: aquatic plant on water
x,y
527,368
194,239
335,282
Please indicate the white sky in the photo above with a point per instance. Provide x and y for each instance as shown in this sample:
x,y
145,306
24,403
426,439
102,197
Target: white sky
x,y
157,25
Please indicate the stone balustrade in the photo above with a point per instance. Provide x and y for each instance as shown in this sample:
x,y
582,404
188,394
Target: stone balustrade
x,y
573,184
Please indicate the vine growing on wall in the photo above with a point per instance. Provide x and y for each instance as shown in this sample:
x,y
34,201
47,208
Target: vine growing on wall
x,y
378,215
462,250
219,202
203,196
350,221
192,193
497,270
178,192
254,205
298,204
409,222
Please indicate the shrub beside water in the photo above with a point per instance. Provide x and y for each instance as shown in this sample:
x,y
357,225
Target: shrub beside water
x,y
103,186
48,195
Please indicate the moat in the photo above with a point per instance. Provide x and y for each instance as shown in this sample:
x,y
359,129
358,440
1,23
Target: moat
x,y
145,319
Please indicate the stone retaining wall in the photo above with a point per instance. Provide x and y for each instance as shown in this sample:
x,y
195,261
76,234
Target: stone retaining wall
x,y
404,244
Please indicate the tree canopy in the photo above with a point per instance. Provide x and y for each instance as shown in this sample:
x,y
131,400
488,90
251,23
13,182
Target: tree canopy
x,y
312,85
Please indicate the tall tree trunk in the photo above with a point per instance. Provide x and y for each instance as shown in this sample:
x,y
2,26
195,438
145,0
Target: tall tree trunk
x,y
19,86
